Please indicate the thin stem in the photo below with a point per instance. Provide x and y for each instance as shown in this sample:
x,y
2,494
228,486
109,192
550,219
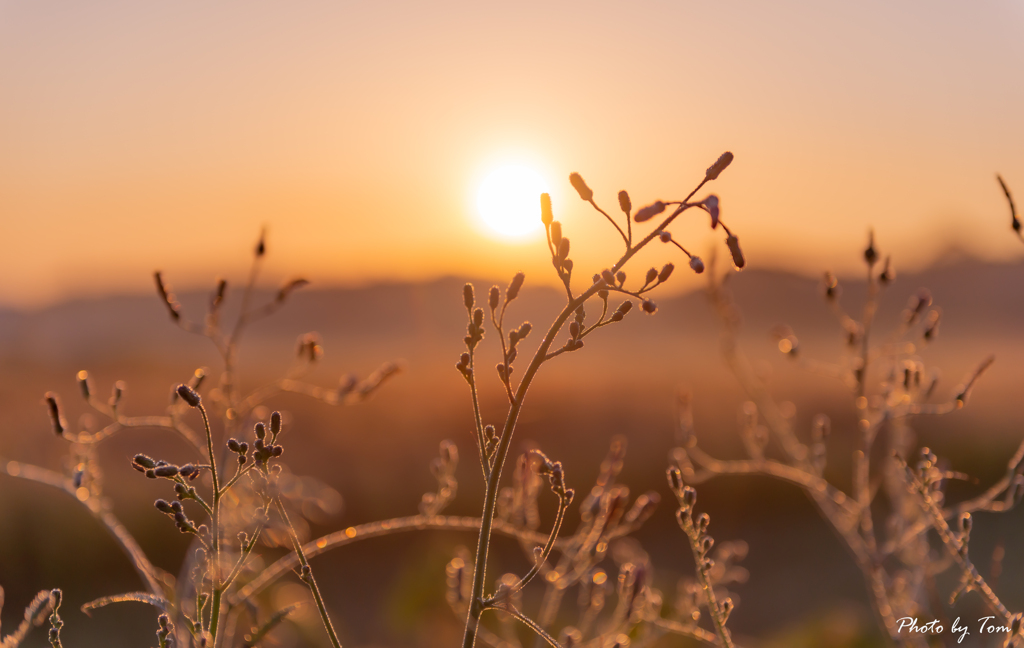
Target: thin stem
x,y
307,575
625,239
563,504
214,528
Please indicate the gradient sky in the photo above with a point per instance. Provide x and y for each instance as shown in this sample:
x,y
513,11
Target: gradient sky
x,y
138,134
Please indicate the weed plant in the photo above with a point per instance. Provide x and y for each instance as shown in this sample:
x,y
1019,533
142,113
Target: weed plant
x,y
236,496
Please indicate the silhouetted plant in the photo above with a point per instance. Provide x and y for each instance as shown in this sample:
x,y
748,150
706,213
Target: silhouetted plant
x,y
492,443
889,387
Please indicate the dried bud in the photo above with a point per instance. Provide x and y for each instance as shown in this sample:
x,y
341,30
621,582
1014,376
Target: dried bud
x,y
931,325
218,294
83,383
1014,221
649,307
493,297
720,164
696,264
652,274
831,286
53,406
289,288
167,296
116,393
580,186
234,446
467,296
711,204
734,248
649,212
188,395
666,272
141,462
275,423
166,471
870,255
556,234
563,248
514,286
546,215
888,274
608,277
260,430
163,506
624,204
666,237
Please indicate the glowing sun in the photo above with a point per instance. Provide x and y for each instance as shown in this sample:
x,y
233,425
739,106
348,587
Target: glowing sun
x,y
509,200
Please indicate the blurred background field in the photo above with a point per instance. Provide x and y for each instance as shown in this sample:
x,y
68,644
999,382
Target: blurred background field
x,y
804,589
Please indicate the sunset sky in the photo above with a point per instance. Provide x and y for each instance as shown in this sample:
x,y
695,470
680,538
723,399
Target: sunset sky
x,y
137,135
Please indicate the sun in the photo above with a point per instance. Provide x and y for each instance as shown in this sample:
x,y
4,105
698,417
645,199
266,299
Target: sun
x,y
509,200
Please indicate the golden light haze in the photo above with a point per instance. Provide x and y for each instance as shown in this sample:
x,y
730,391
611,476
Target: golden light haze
x,y
137,135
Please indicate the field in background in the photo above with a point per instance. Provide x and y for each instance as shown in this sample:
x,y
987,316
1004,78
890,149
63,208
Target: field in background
x,y
386,592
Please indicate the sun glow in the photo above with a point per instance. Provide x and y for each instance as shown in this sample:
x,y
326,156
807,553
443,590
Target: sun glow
x,y
509,200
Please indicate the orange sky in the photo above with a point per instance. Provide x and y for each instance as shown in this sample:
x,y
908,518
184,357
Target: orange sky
x,y
137,135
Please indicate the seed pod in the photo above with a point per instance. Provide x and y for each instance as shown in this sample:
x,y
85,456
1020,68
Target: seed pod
x,y
734,248
467,296
546,215
493,297
666,237
696,264
275,423
478,317
720,164
233,445
625,307
188,395
624,203
649,212
260,430
515,285
652,274
580,186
